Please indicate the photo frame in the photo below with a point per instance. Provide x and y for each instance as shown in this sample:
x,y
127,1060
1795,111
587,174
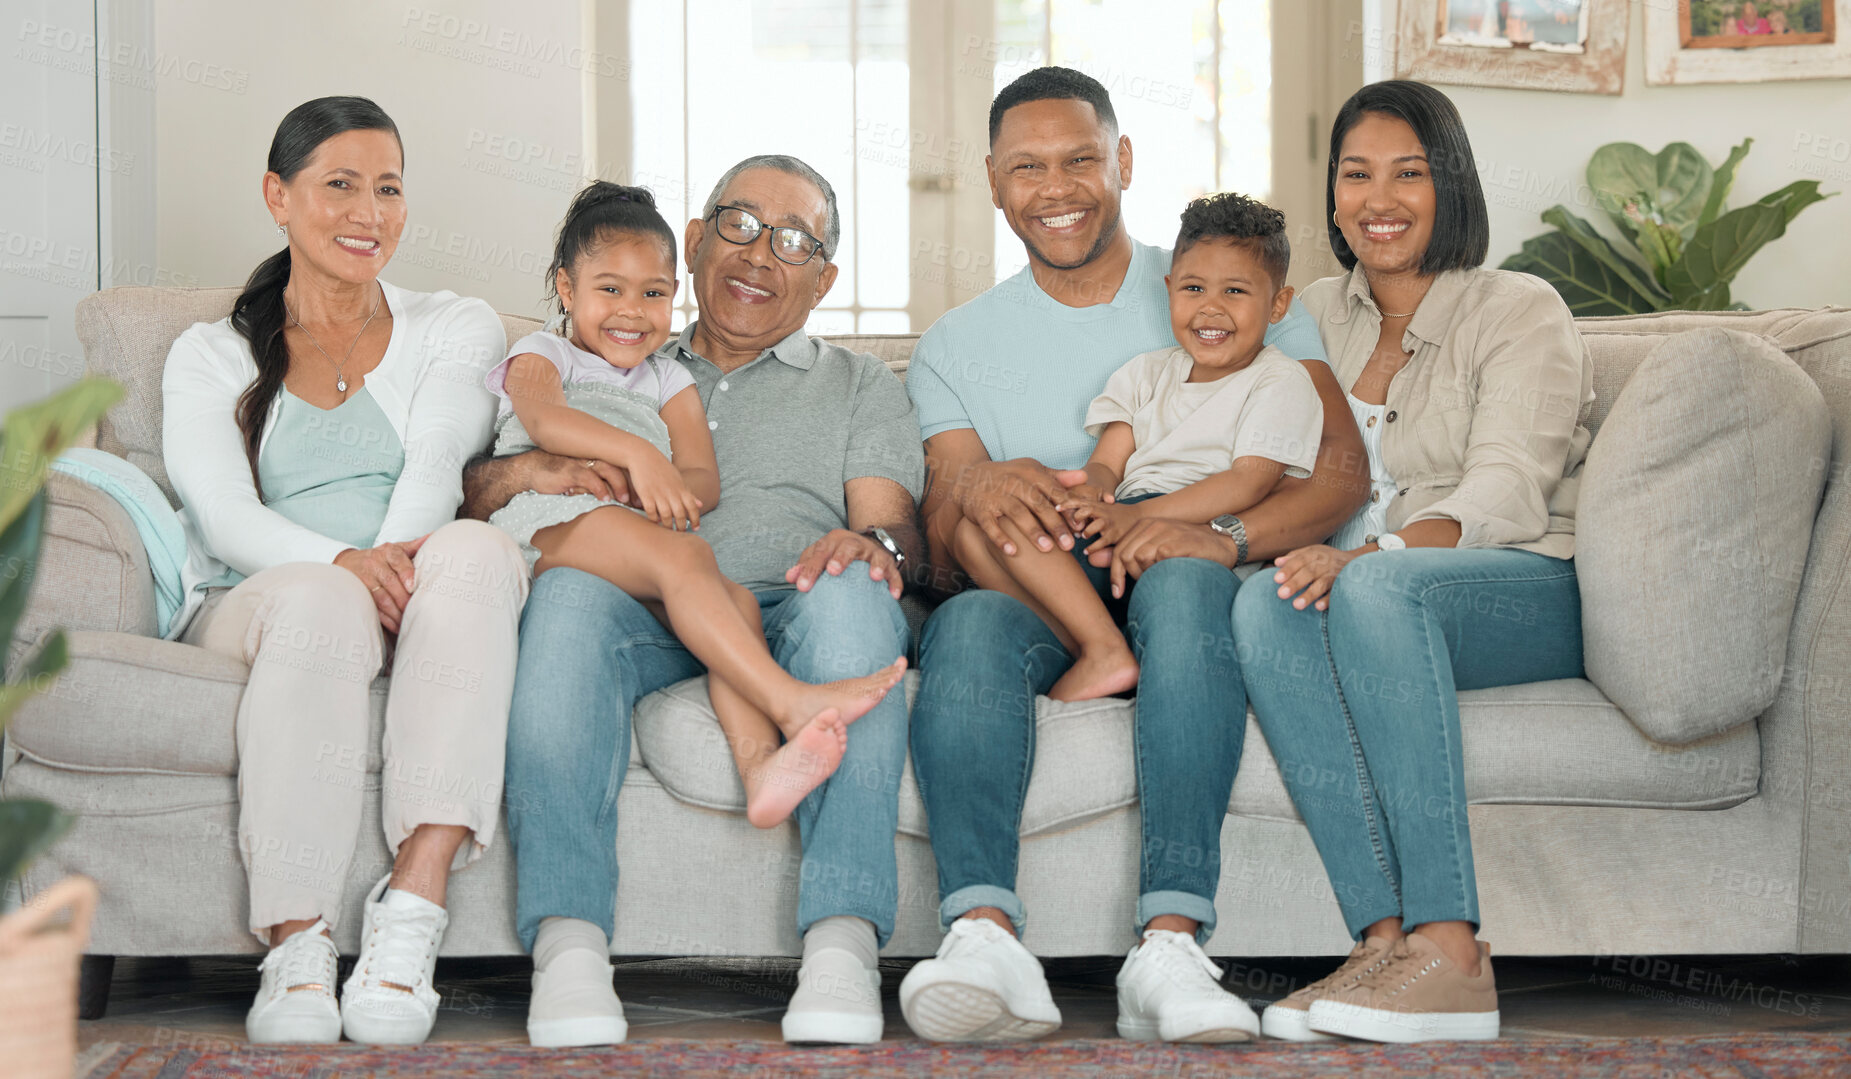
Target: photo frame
x,y
1572,46
1708,41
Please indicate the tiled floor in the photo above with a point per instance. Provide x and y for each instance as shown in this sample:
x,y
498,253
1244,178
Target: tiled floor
x,y
202,1002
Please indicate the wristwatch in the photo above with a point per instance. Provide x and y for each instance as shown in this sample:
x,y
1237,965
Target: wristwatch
x,y
885,539
1230,526
1388,541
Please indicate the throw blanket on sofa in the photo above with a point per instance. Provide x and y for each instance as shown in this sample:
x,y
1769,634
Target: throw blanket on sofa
x,y
155,521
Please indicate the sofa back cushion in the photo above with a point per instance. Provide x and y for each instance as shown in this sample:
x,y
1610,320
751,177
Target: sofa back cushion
x,y
1696,511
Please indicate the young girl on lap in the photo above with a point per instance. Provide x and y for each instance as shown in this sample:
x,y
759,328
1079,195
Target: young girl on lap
x,y
599,392
1194,432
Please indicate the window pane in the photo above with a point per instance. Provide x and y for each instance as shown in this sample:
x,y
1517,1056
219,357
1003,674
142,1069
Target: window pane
x,y
885,322
1246,97
884,202
819,80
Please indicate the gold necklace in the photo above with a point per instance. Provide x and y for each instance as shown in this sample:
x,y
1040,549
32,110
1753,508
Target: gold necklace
x,y
340,367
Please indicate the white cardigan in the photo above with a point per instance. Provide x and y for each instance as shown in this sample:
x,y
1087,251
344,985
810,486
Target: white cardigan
x,y
429,384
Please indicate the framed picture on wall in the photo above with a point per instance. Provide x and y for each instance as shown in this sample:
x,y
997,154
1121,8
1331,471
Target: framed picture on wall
x,y
1695,41
1577,46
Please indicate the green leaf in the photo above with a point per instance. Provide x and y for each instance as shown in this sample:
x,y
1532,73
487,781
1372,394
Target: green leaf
x,y
1721,248
36,433
35,675
1588,285
19,557
1603,251
1795,197
1684,183
27,830
1723,182
1622,173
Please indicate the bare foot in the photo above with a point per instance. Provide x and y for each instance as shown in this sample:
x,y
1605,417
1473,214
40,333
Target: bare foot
x,y
1097,674
786,777
852,698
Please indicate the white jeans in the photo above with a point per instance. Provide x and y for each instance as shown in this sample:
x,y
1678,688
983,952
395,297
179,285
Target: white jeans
x,y
312,637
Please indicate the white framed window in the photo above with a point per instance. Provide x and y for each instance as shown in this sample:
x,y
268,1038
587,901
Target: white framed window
x,y
889,99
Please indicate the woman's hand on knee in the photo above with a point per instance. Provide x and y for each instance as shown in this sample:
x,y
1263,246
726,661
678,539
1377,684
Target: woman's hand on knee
x,y
388,574
1309,573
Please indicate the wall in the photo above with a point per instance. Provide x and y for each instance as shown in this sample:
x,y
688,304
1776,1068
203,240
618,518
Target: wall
x,y
1533,148
486,96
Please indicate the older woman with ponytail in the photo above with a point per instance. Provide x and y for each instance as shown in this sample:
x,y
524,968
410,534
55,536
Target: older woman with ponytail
x,y
316,438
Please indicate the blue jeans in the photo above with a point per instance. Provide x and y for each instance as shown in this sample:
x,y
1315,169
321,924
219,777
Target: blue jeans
x,y
589,652
983,659
1360,707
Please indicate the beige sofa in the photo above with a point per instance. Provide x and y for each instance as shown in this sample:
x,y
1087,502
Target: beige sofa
x,y
1589,838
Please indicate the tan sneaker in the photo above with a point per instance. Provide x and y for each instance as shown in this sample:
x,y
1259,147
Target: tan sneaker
x,y
1286,1019
1417,995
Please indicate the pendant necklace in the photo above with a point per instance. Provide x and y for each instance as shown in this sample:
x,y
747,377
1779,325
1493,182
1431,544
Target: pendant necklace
x,y
340,367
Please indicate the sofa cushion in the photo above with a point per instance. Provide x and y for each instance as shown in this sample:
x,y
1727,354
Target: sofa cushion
x,y
136,704
1696,510
1547,743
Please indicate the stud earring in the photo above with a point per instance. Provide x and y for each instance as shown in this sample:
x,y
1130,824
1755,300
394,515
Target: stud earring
x,y
281,229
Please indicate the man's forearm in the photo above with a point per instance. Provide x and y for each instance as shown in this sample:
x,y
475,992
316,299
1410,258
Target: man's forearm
x,y
489,482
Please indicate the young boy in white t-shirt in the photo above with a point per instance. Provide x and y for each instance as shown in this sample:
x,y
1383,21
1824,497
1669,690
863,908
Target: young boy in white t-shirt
x,y
1205,428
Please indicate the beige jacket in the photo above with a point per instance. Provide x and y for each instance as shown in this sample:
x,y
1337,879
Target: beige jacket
x,y
1487,423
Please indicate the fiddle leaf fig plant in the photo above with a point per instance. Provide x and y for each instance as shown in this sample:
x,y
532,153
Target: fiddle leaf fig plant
x,y
29,439
1679,247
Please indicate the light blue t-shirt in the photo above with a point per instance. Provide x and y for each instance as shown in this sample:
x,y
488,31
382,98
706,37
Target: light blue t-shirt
x,y
1020,367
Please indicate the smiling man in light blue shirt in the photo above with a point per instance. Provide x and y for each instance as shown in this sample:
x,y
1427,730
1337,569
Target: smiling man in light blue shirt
x,y
1001,386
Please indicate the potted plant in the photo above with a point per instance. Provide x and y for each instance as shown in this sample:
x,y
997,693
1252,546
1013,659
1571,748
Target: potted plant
x,y
41,942
1678,248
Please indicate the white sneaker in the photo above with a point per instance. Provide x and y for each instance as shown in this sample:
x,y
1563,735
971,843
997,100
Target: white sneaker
x,y
837,1001
295,1002
1168,990
389,999
574,1003
983,986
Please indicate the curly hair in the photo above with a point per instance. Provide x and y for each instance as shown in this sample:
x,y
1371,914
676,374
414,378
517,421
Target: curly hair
x,y
1252,224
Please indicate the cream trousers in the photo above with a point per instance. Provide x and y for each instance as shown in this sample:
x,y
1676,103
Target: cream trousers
x,y
312,638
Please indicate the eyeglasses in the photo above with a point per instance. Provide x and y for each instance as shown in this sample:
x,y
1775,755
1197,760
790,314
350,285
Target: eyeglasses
x,y
791,245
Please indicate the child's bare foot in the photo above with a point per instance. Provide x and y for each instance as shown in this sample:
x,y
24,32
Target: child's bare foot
x,y
788,776
852,698
1096,674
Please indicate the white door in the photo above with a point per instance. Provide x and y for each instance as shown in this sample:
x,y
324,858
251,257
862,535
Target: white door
x,y
49,252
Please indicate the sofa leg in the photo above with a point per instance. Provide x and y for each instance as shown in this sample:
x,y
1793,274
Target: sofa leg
x,y
93,985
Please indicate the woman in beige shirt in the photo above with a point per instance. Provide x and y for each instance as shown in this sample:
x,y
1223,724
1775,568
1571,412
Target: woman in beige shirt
x,y
1470,387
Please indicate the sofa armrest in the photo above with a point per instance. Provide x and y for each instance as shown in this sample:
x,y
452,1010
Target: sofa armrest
x,y
93,571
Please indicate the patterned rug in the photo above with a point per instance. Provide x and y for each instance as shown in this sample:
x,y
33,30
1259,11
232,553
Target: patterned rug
x,y
1758,1056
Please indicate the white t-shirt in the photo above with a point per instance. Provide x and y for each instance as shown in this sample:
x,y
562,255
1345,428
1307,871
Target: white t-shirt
x,y
1188,431
651,378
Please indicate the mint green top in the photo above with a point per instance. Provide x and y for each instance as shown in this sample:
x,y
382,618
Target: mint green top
x,y
329,470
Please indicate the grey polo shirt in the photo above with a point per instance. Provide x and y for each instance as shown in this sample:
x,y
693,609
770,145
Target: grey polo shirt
x,y
789,430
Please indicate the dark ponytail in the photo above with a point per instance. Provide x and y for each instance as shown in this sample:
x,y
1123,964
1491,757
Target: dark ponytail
x,y
598,213
258,313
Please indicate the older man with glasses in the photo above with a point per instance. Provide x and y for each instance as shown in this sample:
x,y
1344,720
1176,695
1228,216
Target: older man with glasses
x,y
820,469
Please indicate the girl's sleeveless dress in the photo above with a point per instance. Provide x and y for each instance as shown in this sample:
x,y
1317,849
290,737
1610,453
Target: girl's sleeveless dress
x,y
530,511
